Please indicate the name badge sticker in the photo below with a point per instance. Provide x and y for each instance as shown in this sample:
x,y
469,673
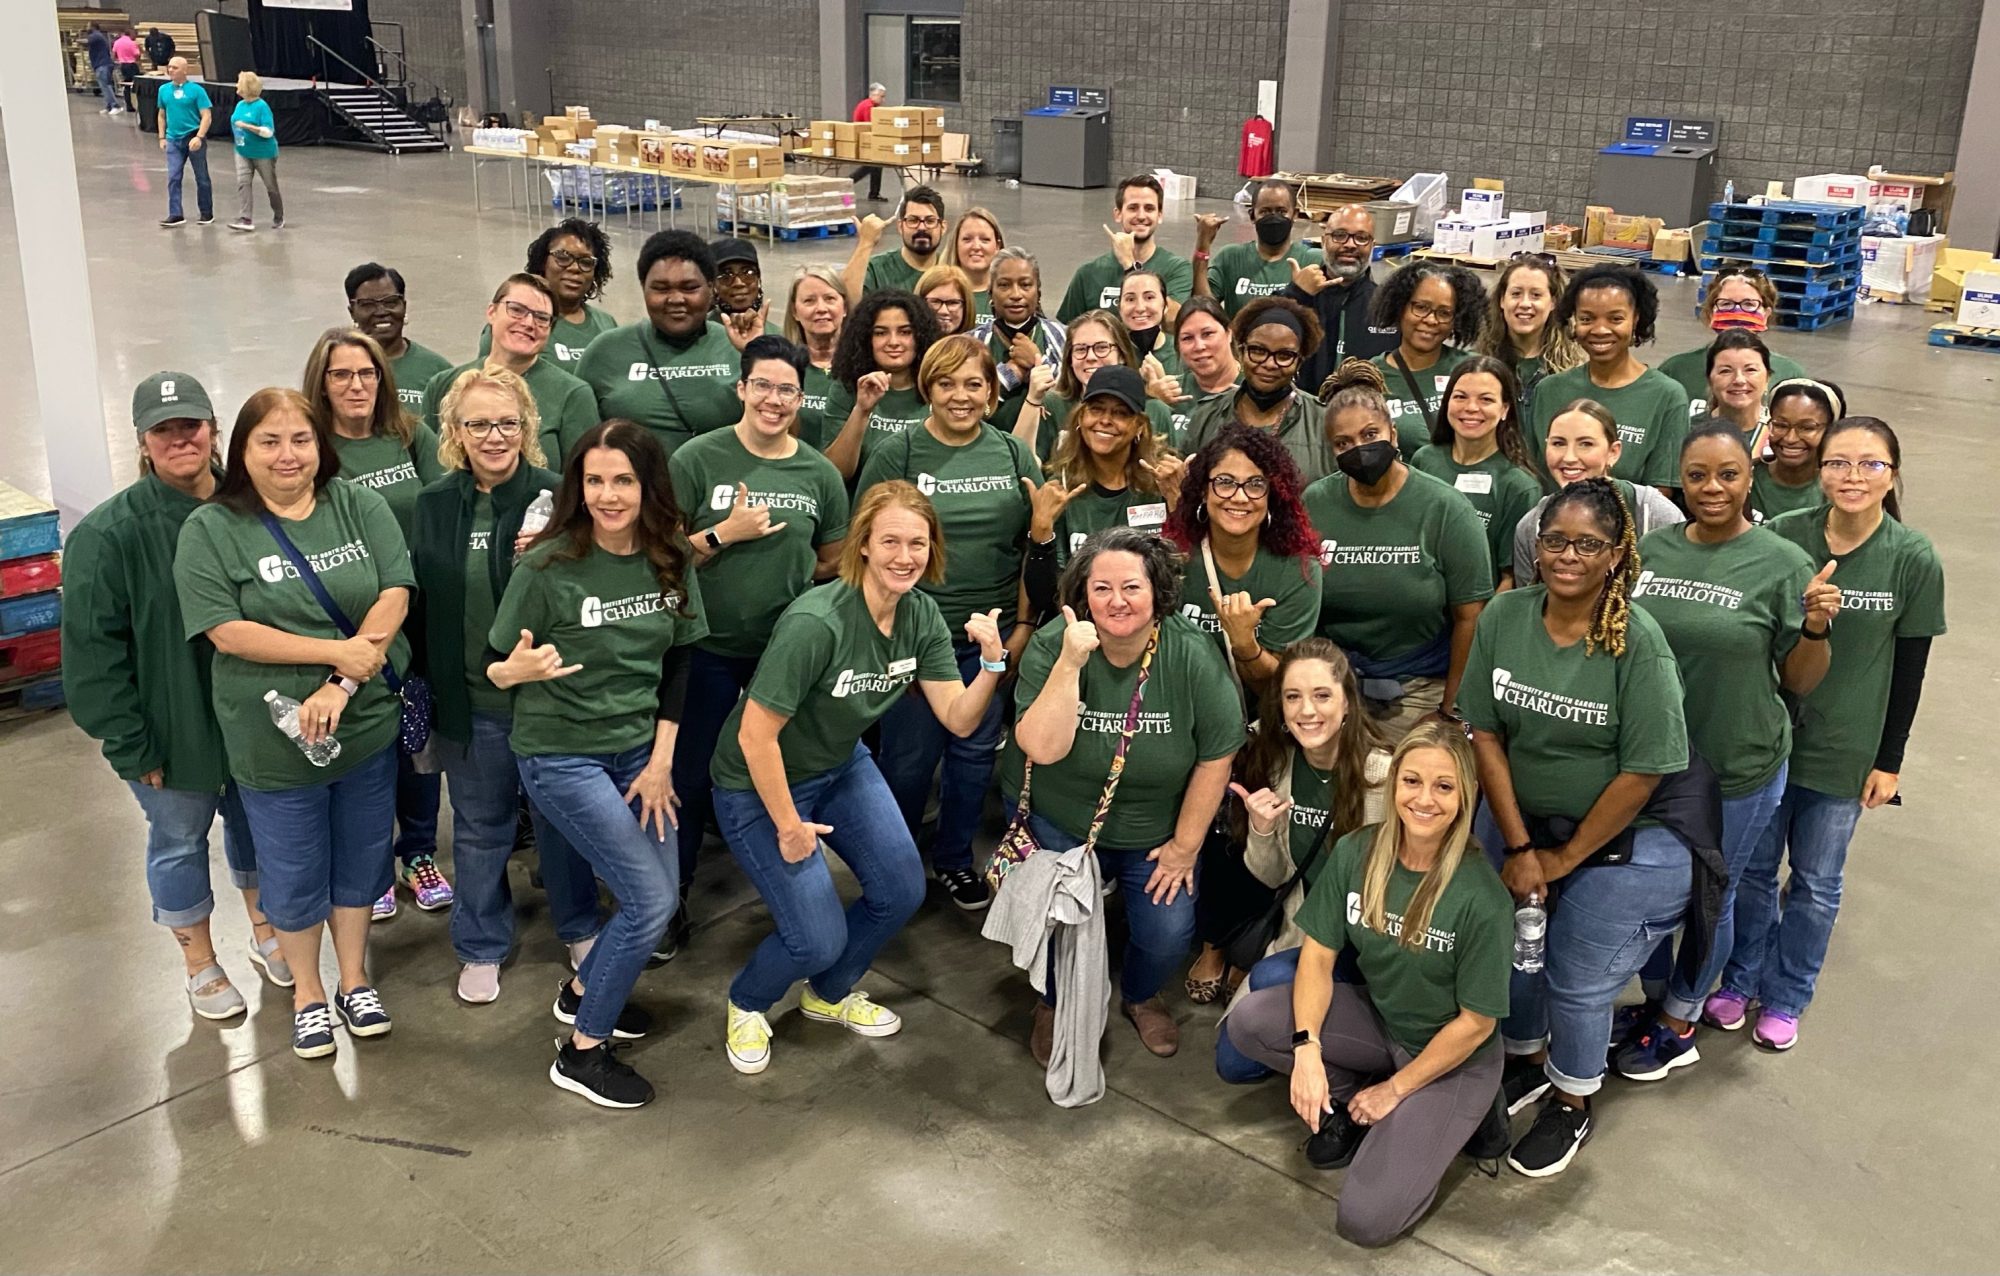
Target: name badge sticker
x,y
1475,484
897,668
1154,515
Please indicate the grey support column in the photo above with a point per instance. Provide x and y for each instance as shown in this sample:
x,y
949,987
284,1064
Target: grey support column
x,y
523,50
1975,207
843,71
1306,96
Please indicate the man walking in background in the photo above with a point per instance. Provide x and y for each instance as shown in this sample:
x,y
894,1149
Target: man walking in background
x,y
125,53
184,115
97,46
864,112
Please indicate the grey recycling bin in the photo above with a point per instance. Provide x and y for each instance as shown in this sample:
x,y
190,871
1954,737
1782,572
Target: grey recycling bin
x,y
1067,146
1006,158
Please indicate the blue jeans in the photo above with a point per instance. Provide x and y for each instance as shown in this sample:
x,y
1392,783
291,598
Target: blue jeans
x,y
177,827
1159,935
583,798
324,846
815,938
1744,822
715,683
1231,1064
1781,944
105,86
484,805
913,742
417,799
178,155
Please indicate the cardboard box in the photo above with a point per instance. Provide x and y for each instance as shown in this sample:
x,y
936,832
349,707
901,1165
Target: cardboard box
x,y
1979,299
1497,241
1953,265
1831,188
908,119
1176,185
1621,231
824,131
1559,238
1453,235
1594,217
652,151
1671,245
847,148
1899,269
739,161
877,150
1484,206
848,132
683,154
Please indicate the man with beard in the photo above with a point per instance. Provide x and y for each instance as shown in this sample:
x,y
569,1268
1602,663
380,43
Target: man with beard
x,y
1240,273
1096,283
377,305
1338,292
921,221
739,288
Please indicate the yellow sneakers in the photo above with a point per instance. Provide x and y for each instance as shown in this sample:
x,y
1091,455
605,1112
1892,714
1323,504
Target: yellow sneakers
x,y
854,1011
749,1041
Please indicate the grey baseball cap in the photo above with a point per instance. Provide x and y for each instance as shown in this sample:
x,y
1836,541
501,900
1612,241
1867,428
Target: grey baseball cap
x,y
169,396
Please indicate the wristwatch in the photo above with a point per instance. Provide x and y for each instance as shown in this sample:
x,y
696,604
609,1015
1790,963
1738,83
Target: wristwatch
x,y
993,666
711,539
349,685
1303,1038
1821,636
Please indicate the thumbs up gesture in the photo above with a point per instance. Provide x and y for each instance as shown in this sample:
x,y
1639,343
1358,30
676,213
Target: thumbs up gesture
x,y
1079,638
1822,599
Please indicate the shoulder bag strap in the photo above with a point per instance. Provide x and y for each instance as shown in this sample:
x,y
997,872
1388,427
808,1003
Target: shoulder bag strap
x,y
1410,380
1215,595
1312,857
312,582
1124,744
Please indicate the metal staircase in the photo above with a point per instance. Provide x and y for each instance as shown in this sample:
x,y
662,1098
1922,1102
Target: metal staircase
x,y
380,120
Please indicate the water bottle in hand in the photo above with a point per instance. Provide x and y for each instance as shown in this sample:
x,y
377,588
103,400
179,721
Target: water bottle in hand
x,y
540,511
1531,929
285,713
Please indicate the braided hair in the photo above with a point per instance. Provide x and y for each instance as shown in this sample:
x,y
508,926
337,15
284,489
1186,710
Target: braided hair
x,y
1601,499
1356,383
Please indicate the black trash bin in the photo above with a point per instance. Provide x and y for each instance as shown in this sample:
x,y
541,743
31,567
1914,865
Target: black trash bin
x,y
1005,161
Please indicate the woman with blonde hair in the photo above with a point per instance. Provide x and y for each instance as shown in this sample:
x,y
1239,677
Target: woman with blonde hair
x,y
814,313
949,293
975,237
380,446
1397,1074
1521,329
255,133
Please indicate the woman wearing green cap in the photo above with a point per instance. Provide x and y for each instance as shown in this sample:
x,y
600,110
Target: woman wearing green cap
x,y
136,685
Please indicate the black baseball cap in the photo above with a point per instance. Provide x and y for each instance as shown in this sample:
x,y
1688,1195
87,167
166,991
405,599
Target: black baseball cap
x,y
1121,383
735,250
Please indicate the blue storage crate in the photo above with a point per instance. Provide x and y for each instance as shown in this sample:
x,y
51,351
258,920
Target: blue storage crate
x,y
27,526
1789,212
30,612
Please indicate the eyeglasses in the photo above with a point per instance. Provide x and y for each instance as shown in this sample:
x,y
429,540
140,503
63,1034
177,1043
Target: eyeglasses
x,y
738,270
509,427
947,303
1279,359
573,261
1424,312
923,223
518,312
1839,467
376,305
1749,306
1555,543
1228,485
1348,236
1094,349
1775,426
348,376
772,390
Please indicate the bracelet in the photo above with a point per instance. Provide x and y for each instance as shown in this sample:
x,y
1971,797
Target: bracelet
x,y
349,685
1821,636
1243,659
1522,849
993,666
1198,255
1033,403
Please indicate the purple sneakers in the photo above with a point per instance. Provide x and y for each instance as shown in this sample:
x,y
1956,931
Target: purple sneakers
x,y
1726,1009
1775,1031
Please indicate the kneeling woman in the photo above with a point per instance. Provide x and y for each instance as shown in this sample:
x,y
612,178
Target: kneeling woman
x,y
598,623
792,778
1127,688
1395,1075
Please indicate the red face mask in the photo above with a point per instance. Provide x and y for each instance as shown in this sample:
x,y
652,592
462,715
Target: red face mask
x,y
1726,317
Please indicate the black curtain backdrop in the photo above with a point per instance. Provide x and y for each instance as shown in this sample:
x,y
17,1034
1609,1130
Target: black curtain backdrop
x,y
279,36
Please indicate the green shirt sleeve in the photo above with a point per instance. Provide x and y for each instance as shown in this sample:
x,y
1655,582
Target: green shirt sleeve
x,y
103,677
1923,584
1324,914
833,509
523,606
1667,432
1177,275
935,661
385,542
424,454
1790,609
1297,612
685,482
1652,724
1218,707
1475,687
1485,947
207,597
880,465
1462,552
434,391
801,648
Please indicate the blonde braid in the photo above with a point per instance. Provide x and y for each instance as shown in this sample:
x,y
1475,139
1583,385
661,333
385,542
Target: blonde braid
x,y
1614,605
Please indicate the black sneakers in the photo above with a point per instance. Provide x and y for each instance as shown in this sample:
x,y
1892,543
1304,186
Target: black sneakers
x,y
679,934
1551,1142
1522,1081
1489,1141
1337,1140
598,1074
633,1022
966,888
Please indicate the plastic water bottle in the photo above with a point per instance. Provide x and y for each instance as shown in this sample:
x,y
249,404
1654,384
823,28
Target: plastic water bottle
x,y
285,713
540,511
1531,929
1729,191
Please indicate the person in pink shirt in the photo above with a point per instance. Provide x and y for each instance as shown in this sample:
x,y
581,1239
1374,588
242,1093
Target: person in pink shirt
x,y
125,54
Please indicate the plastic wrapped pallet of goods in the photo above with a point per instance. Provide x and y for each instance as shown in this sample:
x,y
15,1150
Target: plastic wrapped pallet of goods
x,y
1898,269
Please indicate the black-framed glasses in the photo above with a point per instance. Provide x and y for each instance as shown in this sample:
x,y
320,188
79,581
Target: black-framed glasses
x,y
1280,359
517,312
1424,311
1257,487
922,223
1777,426
772,390
738,270
508,426
1094,349
573,261
1840,467
377,305
1348,236
348,376
1555,543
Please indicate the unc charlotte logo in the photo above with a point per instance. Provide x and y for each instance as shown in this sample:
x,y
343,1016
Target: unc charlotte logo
x,y
1353,908
271,568
927,484
1326,549
722,497
1501,678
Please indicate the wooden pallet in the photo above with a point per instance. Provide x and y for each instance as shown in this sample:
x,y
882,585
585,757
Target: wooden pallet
x,y
1966,337
71,26
36,695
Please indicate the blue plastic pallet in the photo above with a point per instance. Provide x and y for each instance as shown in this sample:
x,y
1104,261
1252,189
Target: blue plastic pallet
x,y
1761,250
1783,234
789,234
29,612
1965,337
1789,212
1793,289
1783,269
27,526
18,699
1808,323
1385,251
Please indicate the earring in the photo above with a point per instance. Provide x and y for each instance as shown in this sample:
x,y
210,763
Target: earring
x,y
1267,518
1201,512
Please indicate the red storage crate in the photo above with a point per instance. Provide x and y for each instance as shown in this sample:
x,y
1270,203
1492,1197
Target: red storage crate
x,y
26,655
29,575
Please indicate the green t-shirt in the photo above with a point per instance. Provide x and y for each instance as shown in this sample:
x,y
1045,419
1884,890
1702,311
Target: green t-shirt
x,y
1500,492
1390,573
818,386
1097,282
982,305
831,672
899,410
1413,431
1651,413
1098,508
983,512
1302,430
1056,410
413,373
1463,964
747,585
1572,721
228,567
1689,370
605,612
565,404
567,341
382,464
675,393
1181,415
1295,589
1312,807
480,608
1191,713
1238,273
1771,498
889,270
1892,586
1731,612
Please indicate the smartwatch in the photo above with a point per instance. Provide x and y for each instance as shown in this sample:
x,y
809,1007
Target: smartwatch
x,y
349,685
993,666
713,541
1303,1038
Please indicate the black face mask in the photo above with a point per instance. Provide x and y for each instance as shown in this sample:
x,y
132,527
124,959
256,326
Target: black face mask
x,y
1144,339
1273,230
1367,463
1267,399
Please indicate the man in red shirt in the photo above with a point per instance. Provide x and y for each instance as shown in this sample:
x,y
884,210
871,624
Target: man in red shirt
x,y
864,111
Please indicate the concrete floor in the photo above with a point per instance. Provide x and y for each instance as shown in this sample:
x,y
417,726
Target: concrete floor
x,y
133,1137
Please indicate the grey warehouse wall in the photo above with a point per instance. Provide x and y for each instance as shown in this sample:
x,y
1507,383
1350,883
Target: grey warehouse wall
x,y
633,59
433,38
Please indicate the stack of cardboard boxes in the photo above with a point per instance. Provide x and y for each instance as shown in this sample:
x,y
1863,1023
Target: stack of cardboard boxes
x,y
896,135
1485,231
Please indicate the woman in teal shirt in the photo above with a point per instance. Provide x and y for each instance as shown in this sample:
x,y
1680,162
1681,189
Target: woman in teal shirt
x,y
256,136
